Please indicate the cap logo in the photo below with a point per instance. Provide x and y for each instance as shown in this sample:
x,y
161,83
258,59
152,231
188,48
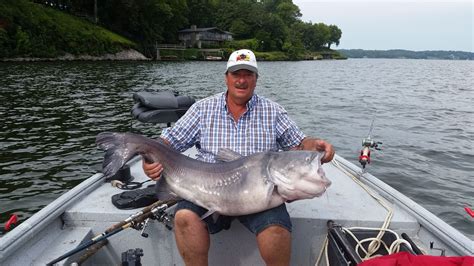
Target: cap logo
x,y
243,57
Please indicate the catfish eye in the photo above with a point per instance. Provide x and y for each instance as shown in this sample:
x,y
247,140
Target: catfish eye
x,y
307,159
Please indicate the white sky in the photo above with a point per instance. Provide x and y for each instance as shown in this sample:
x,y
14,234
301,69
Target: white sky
x,y
396,24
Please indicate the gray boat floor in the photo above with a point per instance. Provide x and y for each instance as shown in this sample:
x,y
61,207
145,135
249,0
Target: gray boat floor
x,y
345,202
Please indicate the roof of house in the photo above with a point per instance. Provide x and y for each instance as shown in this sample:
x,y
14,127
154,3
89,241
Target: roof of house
x,y
204,29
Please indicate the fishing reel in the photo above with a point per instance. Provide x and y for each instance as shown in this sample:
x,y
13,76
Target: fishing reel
x,y
164,218
367,144
132,257
158,213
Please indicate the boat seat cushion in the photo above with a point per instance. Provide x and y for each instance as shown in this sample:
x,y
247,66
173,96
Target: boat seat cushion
x,y
160,107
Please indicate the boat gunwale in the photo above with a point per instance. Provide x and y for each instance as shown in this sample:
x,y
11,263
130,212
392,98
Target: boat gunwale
x,y
425,218
40,220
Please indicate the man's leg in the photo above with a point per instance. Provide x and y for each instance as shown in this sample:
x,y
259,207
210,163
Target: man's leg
x,y
272,228
274,243
192,237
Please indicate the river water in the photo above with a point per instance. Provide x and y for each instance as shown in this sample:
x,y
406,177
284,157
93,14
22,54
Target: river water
x,y
424,115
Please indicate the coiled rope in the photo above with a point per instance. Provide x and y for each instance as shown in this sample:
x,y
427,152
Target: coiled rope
x,y
375,242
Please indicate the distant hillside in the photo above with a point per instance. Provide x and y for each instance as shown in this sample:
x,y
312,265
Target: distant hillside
x,y
448,55
31,30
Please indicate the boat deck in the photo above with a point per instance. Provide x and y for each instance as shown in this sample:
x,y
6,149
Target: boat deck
x,y
344,202
309,218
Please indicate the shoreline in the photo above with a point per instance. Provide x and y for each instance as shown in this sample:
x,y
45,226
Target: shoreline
x,y
134,55
124,55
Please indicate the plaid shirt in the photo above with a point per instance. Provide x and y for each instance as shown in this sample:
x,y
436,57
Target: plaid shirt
x,y
265,126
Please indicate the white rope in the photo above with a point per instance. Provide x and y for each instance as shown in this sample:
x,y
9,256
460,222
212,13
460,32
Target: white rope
x,y
325,250
375,243
394,247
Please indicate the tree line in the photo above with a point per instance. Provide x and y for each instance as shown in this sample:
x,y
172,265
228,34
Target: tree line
x,y
398,53
268,25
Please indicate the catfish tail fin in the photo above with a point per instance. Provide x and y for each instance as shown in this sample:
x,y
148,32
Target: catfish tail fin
x,y
117,151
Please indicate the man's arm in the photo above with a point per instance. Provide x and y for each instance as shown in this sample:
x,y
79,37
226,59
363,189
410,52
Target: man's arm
x,y
315,144
180,138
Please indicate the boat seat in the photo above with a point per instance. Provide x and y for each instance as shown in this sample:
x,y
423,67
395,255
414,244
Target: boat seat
x,y
160,107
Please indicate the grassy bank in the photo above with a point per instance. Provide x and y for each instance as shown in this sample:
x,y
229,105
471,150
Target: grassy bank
x,y
32,30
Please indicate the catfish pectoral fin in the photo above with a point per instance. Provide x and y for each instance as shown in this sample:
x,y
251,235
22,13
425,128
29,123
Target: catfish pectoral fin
x,y
208,213
163,192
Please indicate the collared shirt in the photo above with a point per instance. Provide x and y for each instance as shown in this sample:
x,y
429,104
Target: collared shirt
x,y
265,126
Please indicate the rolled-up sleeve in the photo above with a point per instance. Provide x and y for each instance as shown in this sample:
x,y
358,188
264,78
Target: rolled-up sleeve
x,y
288,133
184,134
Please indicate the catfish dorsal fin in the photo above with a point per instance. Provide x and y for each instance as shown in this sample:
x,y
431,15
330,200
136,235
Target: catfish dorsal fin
x,y
227,155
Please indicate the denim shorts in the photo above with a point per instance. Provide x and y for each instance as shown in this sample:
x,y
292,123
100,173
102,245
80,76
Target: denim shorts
x,y
254,222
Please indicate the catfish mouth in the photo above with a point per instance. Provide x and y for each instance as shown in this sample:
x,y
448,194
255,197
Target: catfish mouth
x,y
326,182
324,190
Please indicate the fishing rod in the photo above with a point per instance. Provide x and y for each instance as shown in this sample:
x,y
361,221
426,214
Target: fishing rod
x,y
138,221
367,144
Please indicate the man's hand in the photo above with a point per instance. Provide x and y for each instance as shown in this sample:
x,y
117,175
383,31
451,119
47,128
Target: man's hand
x,y
312,144
152,170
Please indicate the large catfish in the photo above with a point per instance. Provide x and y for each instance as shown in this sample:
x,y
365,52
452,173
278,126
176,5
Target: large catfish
x,y
237,186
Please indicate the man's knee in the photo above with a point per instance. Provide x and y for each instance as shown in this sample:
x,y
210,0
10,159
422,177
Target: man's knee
x,y
276,231
184,219
192,237
274,243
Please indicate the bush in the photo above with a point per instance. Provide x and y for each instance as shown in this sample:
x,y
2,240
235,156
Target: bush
x,y
5,43
251,44
271,56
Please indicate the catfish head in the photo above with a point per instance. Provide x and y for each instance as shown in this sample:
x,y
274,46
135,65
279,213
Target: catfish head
x,y
298,174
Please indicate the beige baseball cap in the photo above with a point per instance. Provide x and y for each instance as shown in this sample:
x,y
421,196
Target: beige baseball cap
x,y
242,59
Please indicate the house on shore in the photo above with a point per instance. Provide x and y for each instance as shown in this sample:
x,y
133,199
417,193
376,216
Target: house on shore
x,y
198,37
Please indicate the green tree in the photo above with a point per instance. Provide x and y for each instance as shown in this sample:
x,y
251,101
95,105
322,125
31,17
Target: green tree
x,y
323,34
293,45
239,15
335,35
314,36
288,12
5,44
30,29
201,12
22,42
239,29
146,21
272,33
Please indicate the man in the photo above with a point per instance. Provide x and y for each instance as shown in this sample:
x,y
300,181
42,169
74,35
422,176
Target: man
x,y
246,123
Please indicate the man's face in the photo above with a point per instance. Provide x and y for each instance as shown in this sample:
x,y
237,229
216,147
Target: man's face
x,y
240,85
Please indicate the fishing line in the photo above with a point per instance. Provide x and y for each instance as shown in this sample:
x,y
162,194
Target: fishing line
x,y
371,128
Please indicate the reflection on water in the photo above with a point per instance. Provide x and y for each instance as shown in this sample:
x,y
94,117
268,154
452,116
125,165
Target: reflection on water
x,y
51,113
